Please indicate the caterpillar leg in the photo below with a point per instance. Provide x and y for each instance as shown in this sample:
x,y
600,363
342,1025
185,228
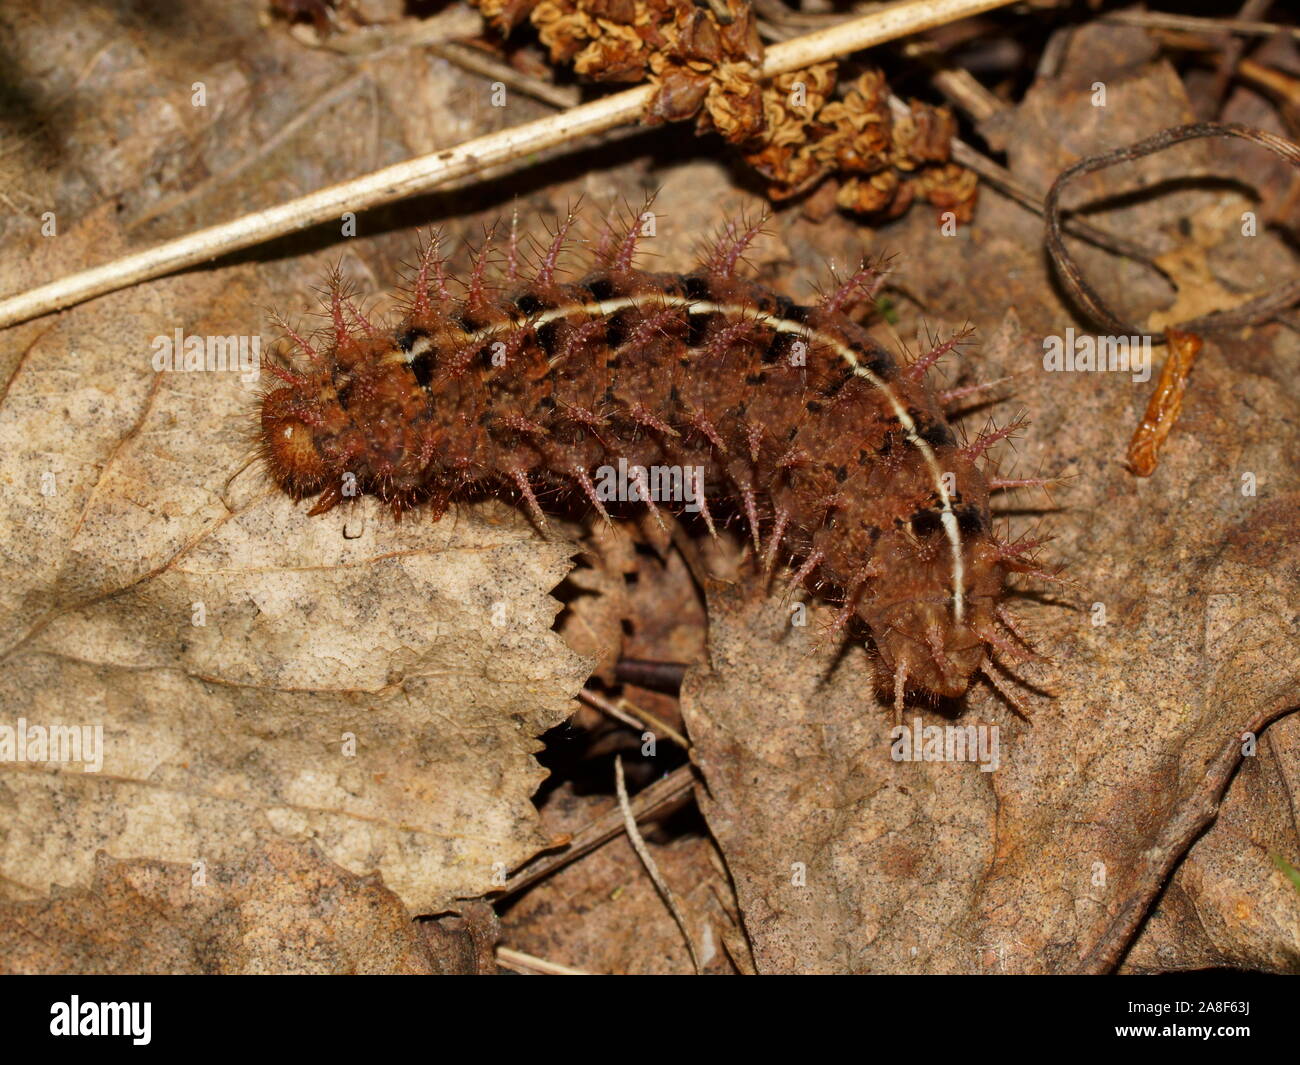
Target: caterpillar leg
x,y
900,691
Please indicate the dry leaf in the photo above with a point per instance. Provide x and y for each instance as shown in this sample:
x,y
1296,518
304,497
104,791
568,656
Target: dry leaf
x,y
128,503
279,909
375,688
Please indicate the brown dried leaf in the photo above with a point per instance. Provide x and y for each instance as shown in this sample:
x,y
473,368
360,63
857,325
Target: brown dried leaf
x,y
280,909
231,649
597,600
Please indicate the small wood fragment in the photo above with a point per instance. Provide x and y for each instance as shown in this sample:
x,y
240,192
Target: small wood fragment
x,y
1165,404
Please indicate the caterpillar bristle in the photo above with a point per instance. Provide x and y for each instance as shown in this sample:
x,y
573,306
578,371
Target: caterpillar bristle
x,y
530,499
550,261
782,520
288,376
1003,689
1001,484
981,444
922,365
624,259
589,490
478,291
732,241
809,567
863,284
900,691
298,341
750,504
949,396
1012,625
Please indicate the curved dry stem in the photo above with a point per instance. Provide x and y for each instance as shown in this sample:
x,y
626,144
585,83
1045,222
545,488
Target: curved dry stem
x,y
1087,297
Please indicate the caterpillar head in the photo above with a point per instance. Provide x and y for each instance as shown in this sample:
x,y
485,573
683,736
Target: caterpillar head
x,y
288,441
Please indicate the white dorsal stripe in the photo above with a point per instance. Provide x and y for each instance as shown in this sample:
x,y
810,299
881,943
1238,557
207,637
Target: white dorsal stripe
x,y
602,308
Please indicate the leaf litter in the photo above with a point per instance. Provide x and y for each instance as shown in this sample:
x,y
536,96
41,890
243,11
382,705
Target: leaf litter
x,y
360,712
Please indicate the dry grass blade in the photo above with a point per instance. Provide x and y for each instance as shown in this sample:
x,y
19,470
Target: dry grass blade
x,y
1201,807
633,715
1162,20
643,852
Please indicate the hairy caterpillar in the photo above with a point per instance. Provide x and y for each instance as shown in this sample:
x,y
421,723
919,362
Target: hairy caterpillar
x,y
838,457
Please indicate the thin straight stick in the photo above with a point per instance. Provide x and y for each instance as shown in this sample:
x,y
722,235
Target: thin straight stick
x,y
429,171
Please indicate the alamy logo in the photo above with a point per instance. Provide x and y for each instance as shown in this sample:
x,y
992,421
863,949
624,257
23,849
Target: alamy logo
x,y
947,743
1081,354
655,484
53,743
102,1018
179,353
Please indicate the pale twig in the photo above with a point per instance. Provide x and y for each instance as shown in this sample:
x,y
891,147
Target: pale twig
x,y
660,797
519,962
963,89
427,172
643,852
1197,24
631,714
606,707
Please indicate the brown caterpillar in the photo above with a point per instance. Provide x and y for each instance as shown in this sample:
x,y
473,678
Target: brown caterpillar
x,y
838,457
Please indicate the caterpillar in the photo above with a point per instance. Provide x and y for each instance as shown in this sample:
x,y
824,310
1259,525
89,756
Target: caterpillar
x,y
837,456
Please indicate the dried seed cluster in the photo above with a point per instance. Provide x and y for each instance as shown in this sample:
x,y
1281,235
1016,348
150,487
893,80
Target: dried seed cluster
x,y
706,63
